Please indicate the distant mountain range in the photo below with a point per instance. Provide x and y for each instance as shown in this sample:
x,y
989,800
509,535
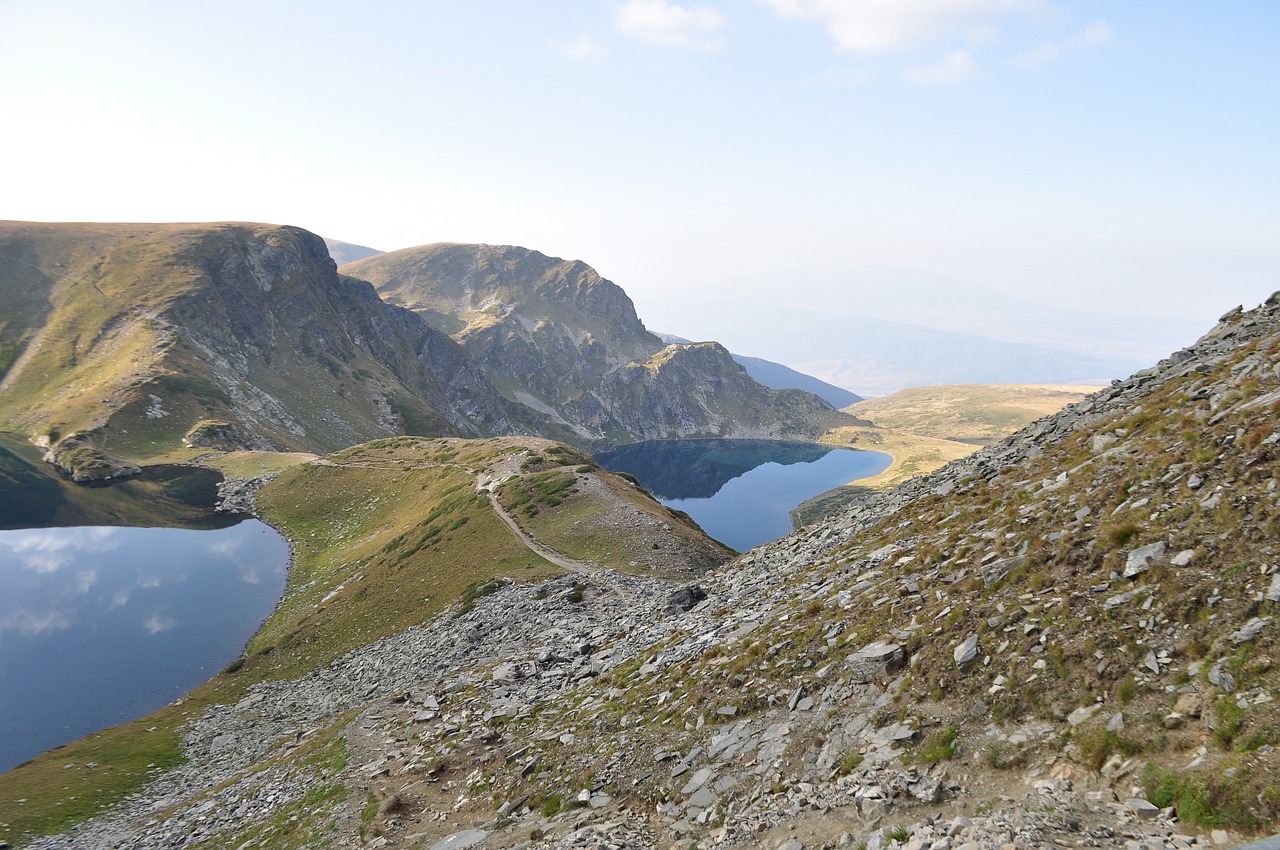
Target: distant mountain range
x,y
876,331
872,332
346,252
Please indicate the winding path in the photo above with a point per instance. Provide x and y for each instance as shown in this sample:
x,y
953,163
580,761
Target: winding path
x,y
551,555
482,485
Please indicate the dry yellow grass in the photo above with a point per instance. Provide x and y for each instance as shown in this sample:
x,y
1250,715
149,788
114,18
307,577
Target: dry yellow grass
x,y
968,413
912,454
248,464
924,428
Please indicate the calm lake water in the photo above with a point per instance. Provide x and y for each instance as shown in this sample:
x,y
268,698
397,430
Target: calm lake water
x,y
741,491
100,623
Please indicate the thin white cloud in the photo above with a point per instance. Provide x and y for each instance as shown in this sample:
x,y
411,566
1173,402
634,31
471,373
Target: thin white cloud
x,y
1097,34
226,547
85,580
841,77
955,67
49,550
157,623
670,24
46,562
584,48
32,624
881,26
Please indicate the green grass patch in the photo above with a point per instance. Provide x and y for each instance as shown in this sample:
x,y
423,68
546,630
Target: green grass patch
x,y
940,746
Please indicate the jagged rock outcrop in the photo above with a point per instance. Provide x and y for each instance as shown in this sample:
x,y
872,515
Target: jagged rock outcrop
x,y
554,335
131,337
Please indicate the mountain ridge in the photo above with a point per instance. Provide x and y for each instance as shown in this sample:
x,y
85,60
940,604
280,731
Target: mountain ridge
x,y
556,336
125,344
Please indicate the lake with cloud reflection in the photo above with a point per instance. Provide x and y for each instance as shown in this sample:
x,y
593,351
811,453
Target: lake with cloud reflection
x,y
103,624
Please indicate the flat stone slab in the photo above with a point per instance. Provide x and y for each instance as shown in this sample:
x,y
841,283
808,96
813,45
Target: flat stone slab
x,y
1250,630
996,570
466,838
1080,715
1139,559
966,653
876,659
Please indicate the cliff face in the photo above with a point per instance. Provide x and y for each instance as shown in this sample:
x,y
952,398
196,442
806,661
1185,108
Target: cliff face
x,y
124,340
554,335
698,390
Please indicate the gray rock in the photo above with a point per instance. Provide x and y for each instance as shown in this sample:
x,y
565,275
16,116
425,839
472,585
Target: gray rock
x,y
1273,592
1080,715
996,570
1183,558
1143,809
685,598
459,840
875,659
966,654
1250,630
925,788
1140,559
1221,678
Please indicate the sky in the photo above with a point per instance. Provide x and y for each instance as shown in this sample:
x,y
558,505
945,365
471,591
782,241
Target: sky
x,y
1113,157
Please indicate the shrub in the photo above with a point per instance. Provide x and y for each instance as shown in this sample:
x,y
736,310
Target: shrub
x,y
1097,745
940,746
1120,534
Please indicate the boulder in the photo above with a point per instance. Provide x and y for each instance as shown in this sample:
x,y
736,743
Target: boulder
x,y
966,653
1139,559
685,598
876,659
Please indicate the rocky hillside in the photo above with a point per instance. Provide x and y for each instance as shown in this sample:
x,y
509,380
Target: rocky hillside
x,y
554,335
129,341
1065,639
776,376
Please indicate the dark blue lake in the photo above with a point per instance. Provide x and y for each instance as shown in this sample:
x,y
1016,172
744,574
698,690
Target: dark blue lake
x,y
102,623
741,491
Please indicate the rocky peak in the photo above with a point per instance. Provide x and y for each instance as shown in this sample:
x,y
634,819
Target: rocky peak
x,y
555,336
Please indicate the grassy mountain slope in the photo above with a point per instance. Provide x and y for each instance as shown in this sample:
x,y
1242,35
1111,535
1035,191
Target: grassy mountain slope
x,y
1032,637
386,536
127,340
555,336
1045,643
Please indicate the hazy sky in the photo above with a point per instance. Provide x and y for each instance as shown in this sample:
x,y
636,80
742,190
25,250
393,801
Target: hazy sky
x,y
1091,154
